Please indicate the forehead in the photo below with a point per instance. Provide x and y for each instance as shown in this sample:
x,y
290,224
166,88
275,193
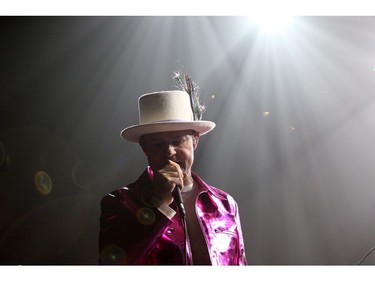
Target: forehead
x,y
168,135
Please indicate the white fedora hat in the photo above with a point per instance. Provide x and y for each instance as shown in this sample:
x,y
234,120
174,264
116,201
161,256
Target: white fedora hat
x,y
163,112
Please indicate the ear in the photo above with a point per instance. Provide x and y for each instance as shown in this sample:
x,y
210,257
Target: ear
x,y
195,140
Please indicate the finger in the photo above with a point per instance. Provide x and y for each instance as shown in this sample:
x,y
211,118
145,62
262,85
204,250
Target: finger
x,y
178,167
174,168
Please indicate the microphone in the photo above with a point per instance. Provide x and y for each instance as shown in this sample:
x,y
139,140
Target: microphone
x,y
180,205
178,199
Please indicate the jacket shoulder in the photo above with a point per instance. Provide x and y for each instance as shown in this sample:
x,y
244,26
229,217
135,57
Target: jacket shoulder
x,y
120,197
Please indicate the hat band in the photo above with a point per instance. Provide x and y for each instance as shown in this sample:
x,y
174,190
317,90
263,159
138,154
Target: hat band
x,y
169,120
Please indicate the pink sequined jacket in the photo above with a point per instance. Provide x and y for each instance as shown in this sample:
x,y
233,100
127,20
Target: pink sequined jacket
x,y
134,233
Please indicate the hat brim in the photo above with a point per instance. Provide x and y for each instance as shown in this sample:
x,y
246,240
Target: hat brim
x,y
133,133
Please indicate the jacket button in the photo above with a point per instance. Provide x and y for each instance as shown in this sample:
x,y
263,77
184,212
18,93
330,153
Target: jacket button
x,y
170,230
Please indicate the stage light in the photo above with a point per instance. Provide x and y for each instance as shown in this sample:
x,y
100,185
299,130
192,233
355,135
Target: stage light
x,y
271,23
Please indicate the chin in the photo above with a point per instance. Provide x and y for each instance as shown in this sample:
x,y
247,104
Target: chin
x,y
182,166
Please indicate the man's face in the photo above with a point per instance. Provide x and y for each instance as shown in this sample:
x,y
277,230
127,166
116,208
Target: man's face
x,y
177,146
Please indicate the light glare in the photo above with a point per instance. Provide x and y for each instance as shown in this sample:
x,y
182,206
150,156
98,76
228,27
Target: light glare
x,y
272,23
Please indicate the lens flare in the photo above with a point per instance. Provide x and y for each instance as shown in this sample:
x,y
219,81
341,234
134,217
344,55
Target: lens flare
x,y
113,254
146,216
43,182
80,175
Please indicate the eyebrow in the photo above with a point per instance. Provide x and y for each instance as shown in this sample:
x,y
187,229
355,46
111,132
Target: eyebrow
x,y
168,139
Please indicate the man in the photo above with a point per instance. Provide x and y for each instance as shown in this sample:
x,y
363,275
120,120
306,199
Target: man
x,y
169,215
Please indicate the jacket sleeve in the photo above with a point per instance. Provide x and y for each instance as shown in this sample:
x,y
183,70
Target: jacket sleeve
x,y
241,246
128,228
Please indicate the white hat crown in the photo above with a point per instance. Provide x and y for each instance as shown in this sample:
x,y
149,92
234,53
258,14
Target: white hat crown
x,y
165,106
163,112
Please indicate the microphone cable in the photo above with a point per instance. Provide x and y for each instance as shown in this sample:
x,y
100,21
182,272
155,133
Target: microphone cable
x,y
369,252
181,209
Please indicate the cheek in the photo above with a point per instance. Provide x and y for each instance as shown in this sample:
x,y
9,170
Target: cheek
x,y
153,158
188,155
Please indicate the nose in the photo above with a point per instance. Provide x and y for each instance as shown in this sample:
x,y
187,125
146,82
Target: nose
x,y
171,150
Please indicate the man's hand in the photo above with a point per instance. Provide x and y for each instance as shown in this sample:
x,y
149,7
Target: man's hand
x,y
166,179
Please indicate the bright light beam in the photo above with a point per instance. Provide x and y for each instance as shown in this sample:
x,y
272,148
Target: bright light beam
x,y
272,23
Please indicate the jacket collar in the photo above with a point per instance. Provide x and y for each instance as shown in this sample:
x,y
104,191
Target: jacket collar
x,y
213,190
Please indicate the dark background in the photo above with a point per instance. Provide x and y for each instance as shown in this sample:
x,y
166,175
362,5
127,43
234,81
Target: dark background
x,y
293,143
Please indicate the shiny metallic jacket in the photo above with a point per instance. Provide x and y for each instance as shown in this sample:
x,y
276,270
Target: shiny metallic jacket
x,y
134,233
